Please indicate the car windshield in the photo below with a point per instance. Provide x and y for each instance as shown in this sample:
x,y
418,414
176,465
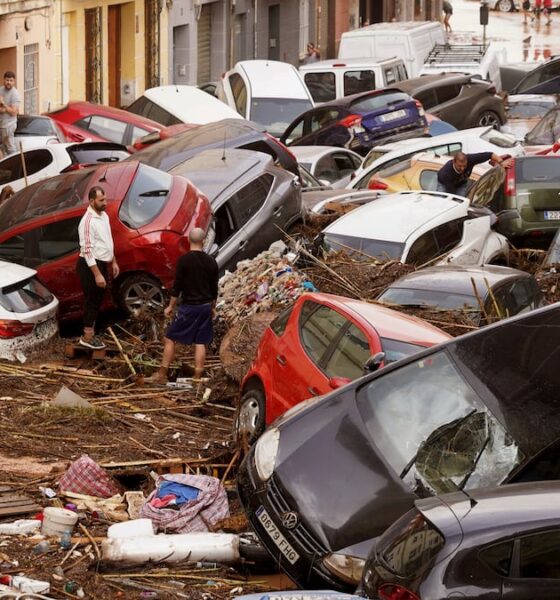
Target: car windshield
x,y
434,430
45,197
377,102
25,296
146,197
502,140
547,130
529,111
432,298
34,126
395,349
277,113
362,247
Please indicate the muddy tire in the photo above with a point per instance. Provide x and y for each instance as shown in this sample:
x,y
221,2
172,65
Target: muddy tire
x,y
139,293
250,418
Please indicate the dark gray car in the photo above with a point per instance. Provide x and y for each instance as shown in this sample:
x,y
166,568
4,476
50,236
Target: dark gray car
x,y
254,202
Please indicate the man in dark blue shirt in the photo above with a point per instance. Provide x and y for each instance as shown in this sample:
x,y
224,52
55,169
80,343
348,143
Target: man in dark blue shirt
x,y
453,177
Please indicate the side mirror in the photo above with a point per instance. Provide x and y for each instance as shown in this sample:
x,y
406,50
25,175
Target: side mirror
x,y
338,382
374,362
325,182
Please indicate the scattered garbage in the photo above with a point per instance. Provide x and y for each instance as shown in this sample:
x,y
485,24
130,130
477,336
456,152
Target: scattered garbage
x,y
133,528
85,476
20,527
67,397
57,521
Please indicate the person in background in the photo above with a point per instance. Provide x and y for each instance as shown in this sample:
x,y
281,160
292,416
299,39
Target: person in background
x,y
196,283
7,192
526,6
547,11
537,9
9,108
447,12
312,55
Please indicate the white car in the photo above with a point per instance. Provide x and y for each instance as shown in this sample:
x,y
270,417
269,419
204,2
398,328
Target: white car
x,y
27,311
478,139
268,92
329,164
41,163
419,228
174,104
33,131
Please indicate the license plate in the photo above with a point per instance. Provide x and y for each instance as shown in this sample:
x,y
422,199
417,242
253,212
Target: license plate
x,y
275,535
552,215
393,116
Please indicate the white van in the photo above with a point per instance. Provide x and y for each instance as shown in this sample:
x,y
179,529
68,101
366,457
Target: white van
x,y
268,92
331,79
409,40
468,59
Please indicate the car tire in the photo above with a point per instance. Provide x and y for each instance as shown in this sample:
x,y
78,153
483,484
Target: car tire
x,y
141,292
505,6
488,117
250,417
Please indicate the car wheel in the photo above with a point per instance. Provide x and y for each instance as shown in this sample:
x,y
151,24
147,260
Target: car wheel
x,y
505,5
141,293
488,117
249,422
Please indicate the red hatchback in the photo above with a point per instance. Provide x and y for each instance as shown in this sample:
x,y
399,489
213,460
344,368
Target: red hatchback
x,y
81,121
321,343
151,214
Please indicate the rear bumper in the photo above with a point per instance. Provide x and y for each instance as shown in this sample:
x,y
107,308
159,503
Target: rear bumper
x,y
18,347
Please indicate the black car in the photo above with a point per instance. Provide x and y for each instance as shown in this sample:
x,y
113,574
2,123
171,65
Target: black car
x,y
462,100
492,543
334,472
544,79
228,133
358,122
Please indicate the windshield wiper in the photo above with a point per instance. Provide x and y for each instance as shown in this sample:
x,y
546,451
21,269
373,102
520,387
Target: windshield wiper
x,y
155,193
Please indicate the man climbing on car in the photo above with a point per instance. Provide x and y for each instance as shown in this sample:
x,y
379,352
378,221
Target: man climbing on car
x,y
453,177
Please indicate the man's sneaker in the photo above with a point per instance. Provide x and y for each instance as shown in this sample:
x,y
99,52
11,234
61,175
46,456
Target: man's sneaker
x,y
96,343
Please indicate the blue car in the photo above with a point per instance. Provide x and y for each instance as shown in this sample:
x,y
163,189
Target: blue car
x,y
358,122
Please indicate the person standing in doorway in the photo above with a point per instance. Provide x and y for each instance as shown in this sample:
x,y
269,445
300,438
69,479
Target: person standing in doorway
x,y
196,284
9,108
312,55
447,12
96,262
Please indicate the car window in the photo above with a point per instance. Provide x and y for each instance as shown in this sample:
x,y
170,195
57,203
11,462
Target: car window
x,y
528,110
10,169
515,297
424,249
349,355
345,163
239,91
138,132
224,224
378,101
365,248
448,235
395,349
25,296
318,326
104,127
537,169
428,179
445,93
280,323
277,113
498,557
85,155
433,429
402,75
389,75
358,81
321,86
428,98
539,557
146,197
297,131
326,169
146,108
247,201
547,130
429,297
454,148
323,118
29,125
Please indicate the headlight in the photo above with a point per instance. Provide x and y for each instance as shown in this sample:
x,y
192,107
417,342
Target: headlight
x,y
266,449
347,568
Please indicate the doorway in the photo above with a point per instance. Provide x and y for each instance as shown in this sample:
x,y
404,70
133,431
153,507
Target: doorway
x,y
114,63
274,32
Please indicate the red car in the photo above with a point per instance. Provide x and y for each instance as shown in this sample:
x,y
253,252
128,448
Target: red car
x,y
81,121
163,134
318,344
151,214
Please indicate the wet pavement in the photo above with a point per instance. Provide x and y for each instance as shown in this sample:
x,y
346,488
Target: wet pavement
x,y
529,42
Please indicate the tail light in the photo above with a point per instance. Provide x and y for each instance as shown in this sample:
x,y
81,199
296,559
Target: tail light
x,y
376,184
13,329
420,108
510,181
390,591
351,121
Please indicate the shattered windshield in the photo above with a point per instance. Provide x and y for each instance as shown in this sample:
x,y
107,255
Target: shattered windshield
x,y
434,430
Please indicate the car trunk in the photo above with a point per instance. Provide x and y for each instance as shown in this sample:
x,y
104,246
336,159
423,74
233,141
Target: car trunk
x,y
401,116
538,179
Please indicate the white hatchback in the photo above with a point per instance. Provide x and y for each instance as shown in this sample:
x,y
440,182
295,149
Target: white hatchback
x,y
27,311
419,228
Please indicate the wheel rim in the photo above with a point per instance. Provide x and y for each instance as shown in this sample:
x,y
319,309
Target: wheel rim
x,y
504,5
249,418
144,295
489,119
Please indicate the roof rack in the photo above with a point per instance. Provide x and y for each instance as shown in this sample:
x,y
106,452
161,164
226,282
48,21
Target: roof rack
x,y
456,53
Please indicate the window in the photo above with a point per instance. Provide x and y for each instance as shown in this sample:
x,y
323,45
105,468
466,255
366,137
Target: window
x,y
25,296
499,139
89,155
345,163
498,557
326,169
224,224
537,170
10,169
423,249
239,91
377,101
350,354
515,297
428,180
138,132
323,118
402,75
322,86
247,202
365,248
277,113
540,556
31,125
146,108
319,325
296,132
484,190
445,93
110,129
395,350
448,235
281,322
358,81
389,75
428,98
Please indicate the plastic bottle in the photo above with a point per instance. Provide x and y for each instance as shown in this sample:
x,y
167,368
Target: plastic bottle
x,y
41,547
66,540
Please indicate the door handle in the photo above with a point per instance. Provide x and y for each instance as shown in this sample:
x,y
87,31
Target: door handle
x,y
242,244
280,359
313,390
277,211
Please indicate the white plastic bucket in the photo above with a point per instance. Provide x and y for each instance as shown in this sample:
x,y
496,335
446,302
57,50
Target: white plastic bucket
x,y
128,529
57,521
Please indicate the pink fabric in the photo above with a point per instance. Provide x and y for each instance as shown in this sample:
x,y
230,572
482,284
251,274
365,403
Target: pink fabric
x,y
200,514
166,500
85,476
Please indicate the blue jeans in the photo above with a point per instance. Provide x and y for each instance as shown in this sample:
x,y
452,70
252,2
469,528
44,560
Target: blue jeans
x,y
460,190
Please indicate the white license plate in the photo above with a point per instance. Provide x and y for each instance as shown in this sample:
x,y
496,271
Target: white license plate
x,y
393,116
552,215
275,535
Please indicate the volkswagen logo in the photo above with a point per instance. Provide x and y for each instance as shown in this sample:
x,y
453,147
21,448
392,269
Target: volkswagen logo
x,y
290,520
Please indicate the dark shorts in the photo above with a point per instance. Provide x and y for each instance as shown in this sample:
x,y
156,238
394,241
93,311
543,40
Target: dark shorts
x,y
192,324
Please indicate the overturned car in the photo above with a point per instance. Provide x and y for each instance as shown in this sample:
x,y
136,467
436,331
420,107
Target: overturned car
x,y
331,474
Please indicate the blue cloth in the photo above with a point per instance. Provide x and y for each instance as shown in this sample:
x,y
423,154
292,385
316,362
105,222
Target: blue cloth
x,y
183,493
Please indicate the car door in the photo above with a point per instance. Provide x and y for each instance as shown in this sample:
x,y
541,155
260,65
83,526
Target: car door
x,y
488,189
448,107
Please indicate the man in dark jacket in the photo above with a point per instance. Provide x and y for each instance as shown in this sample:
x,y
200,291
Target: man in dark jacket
x,y
453,177
196,283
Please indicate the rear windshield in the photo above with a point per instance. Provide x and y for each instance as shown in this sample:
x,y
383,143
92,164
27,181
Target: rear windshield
x,y
395,350
378,101
432,298
547,130
34,126
146,108
372,156
537,170
277,113
528,111
409,547
499,139
146,197
365,248
90,156
25,296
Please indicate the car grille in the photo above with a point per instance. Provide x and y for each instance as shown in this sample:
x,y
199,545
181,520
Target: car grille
x,y
301,534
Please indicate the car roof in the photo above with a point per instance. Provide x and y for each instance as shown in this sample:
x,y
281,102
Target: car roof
x,y
11,273
427,81
457,279
347,100
268,79
101,109
342,63
190,104
213,171
388,323
396,217
393,27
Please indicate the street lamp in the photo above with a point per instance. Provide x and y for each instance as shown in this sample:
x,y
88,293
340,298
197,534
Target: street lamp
x,y
484,11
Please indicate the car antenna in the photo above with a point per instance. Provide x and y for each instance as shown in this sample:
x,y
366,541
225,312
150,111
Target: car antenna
x,y
224,149
103,178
